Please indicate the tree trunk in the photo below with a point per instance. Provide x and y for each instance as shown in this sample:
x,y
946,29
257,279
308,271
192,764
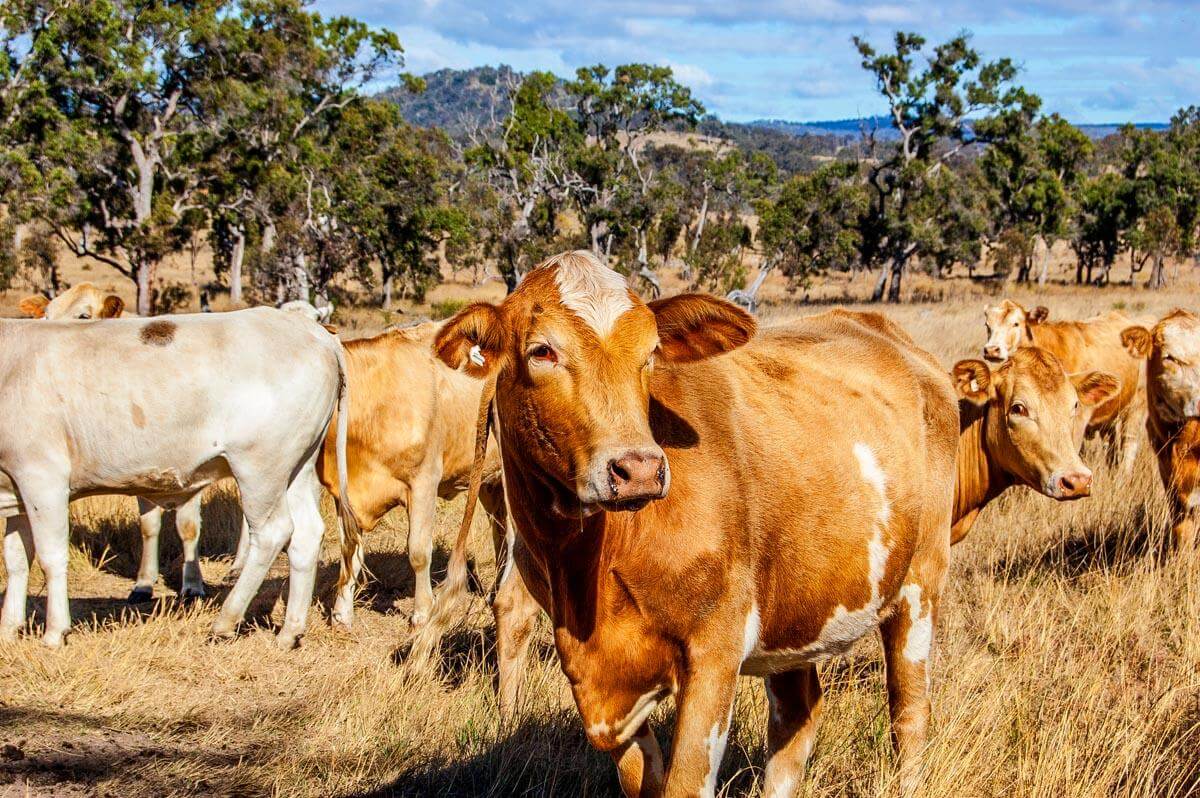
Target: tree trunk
x,y
877,294
144,276
1158,274
897,276
700,223
387,290
1044,273
300,273
235,264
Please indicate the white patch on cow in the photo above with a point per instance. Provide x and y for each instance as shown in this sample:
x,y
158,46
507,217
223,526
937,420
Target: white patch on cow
x,y
1193,501
716,752
751,632
596,293
919,640
624,729
844,627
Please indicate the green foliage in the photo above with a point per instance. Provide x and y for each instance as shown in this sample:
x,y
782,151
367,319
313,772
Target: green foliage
x,y
814,223
445,308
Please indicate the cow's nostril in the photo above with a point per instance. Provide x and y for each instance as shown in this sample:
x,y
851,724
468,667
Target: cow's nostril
x,y
618,471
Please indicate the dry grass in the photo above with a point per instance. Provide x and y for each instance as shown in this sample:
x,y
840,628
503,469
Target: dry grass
x,y
1068,665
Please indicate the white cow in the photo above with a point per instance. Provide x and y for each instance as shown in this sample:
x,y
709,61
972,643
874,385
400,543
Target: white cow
x,y
84,301
161,408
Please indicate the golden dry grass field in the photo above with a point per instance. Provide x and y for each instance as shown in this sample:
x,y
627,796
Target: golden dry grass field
x,y
1068,660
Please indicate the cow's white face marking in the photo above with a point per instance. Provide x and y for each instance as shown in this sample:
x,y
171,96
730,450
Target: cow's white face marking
x,y
751,633
845,627
919,640
623,729
596,293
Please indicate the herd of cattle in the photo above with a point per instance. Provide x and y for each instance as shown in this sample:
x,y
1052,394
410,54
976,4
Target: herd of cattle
x,y
687,497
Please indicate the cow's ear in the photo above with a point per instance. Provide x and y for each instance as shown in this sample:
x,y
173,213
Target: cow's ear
x,y
111,307
693,327
34,306
1095,387
472,340
973,381
1137,341
1038,315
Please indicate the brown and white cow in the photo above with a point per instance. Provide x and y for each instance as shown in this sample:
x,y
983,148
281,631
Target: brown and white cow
x,y
686,515
84,301
1172,352
410,440
1081,346
86,410
1022,424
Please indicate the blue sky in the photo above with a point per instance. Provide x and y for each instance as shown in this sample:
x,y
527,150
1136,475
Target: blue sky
x,y
1090,60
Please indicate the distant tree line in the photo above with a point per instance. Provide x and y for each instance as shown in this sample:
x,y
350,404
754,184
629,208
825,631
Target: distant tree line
x,y
134,131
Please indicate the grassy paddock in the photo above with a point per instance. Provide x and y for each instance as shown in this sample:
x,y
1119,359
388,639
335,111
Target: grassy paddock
x,y
1068,663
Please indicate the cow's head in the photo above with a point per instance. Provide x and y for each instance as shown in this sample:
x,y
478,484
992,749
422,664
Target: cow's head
x,y
1035,417
82,301
1007,327
572,349
1172,351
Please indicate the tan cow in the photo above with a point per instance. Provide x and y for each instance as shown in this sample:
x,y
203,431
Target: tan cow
x,y
410,440
1090,345
1172,352
80,301
1022,424
685,516
88,301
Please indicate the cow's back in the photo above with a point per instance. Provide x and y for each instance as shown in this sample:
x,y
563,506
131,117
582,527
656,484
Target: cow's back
x,y
1094,345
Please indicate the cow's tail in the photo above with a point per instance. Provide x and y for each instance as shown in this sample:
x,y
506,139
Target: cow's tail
x,y
349,531
454,587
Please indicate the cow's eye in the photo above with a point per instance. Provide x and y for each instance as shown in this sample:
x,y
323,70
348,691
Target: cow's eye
x,y
85,315
649,362
1169,358
1019,409
543,353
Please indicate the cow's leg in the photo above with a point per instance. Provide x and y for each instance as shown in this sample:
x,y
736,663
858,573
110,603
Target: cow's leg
x,y
640,765
150,520
422,507
243,551
187,524
46,506
908,651
270,527
304,498
491,498
702,729
516,613
343,605
795,709
18,553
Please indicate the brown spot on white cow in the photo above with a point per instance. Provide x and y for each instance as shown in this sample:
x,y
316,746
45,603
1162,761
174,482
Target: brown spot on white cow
x,y
158,333
138,415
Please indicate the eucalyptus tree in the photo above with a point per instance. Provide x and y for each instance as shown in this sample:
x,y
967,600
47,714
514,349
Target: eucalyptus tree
x,y
931,107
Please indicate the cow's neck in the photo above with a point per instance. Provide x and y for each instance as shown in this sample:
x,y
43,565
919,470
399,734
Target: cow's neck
x,y
979,479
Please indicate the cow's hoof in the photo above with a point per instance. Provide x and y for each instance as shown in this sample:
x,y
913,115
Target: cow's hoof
x,y
140,595
419,619
343,622
9,634
223,630
192,592
287,641
54,640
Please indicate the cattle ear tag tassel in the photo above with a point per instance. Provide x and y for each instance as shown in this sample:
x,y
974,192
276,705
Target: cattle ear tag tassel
x,y
476,355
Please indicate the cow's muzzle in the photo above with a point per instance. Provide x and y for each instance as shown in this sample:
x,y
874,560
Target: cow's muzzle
x,y
1075,483
627,479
